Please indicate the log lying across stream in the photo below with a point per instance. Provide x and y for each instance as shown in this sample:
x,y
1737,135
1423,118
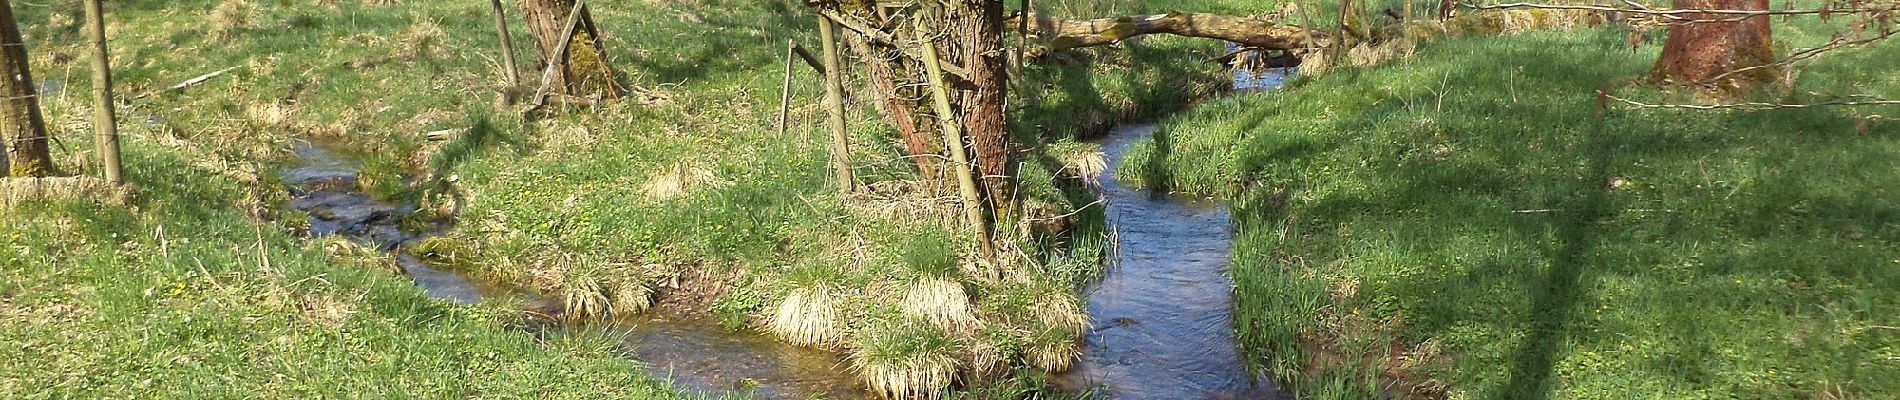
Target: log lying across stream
x,y
1068,34
1062,34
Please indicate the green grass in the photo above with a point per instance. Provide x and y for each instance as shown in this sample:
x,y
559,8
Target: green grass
x,y
1463,216
565,205
177,295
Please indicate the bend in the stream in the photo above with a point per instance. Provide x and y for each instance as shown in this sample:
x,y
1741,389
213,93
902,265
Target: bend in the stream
x,y
696,355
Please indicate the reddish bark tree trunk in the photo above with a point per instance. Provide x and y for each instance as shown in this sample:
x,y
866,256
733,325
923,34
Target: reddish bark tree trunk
x,y
20,121
1699,52
902,98
974,33
583,70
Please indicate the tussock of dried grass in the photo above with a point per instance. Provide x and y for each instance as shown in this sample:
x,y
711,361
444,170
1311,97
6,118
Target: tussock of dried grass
x,y
807,317
1051,355
910,201
682,178
425,39
1061,310
14,191
940,302
344,249
919,377
230,18
1089,165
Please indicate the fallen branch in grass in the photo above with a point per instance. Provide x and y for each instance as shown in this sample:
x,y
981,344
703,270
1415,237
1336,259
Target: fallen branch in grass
x,y
1851,100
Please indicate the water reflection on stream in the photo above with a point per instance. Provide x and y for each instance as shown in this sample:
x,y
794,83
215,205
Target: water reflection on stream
x,y
695,354
1162,314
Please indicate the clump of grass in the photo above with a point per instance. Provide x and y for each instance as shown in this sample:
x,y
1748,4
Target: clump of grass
x,y
903,360
940,302
343,249
14,191
678,180
231,18
425,39
807,316
1052,349
1083,161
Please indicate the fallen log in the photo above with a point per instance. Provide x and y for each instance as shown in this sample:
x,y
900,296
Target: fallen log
x,y
1064,34
1301,44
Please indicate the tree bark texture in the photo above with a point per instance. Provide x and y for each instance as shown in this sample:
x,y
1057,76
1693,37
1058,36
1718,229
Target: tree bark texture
x,y
583,70
1695,53
972,33
20,121
898,87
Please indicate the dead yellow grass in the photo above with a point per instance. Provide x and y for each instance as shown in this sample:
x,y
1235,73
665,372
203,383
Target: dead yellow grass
x,y
807,317
679,180
909,201
231,18
14,191
940,302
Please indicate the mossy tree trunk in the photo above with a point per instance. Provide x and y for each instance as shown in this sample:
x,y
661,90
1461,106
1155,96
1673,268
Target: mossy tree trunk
x,y
20,121
581,66
1705,53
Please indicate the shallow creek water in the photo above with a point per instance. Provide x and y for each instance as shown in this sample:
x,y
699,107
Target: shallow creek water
x,y
1162,314
695,354
1163,323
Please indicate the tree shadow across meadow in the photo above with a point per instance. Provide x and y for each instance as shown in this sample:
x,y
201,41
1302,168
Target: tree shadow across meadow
x,y
1516,246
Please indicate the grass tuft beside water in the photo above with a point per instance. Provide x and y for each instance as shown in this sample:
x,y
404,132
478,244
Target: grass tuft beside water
x,y
1461,224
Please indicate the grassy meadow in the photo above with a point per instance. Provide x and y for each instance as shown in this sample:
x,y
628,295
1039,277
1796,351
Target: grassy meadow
x,y
1463,224
682,196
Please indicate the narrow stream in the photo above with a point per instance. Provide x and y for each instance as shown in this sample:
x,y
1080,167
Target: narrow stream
x,y
1163,322
695,354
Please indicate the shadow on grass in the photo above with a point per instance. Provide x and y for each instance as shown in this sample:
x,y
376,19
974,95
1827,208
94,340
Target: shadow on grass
x,y
1554,301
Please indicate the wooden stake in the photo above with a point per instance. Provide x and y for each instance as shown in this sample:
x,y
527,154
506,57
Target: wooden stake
x,y
559,57
104,122
953,139
507,51
785,90
834,104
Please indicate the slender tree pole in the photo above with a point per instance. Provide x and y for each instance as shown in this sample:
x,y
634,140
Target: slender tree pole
x,y
507,52
104,124
785,90
834,104
953,139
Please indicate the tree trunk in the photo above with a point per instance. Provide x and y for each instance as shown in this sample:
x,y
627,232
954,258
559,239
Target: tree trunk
x,y
1706,53
972,36
583,70
901,96
20,121
104,124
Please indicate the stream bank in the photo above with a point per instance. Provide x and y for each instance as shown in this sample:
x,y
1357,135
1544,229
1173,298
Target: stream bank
x,y
1162,314
695,354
